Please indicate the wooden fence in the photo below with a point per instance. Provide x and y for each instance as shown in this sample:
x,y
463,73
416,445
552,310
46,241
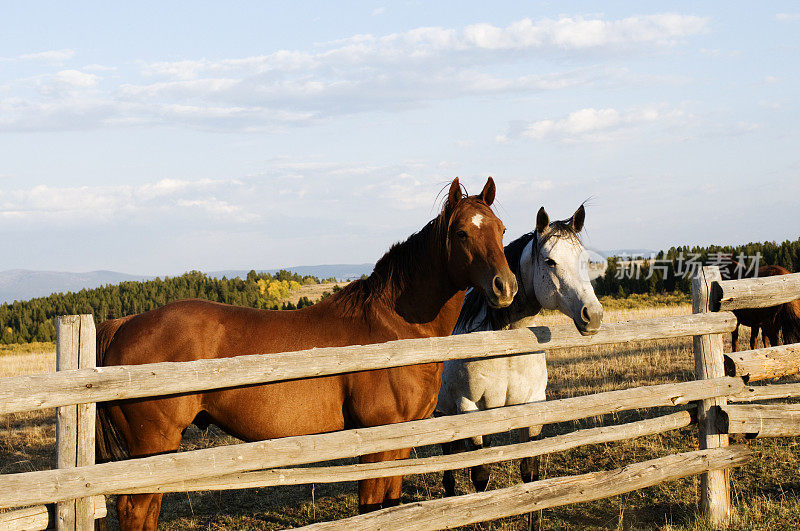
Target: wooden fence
x,y
78,485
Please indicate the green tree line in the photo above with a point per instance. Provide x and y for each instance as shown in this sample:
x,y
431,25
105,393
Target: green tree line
x,y
33,320
671,271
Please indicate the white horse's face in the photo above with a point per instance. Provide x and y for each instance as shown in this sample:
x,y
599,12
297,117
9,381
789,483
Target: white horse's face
x,y
557,275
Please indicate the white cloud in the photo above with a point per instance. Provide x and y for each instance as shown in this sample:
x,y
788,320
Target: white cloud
x,y
220,209
787,17
44,204
75,78
600,124
357,74
287,189
49,56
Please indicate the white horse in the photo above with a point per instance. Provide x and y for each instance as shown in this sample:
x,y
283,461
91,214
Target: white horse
x,y
550,267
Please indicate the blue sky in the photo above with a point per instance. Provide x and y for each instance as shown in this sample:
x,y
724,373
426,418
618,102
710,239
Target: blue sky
x,y
157,138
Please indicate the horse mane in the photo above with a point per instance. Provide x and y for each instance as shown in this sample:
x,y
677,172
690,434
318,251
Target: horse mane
x,y
394,269
398,266
476,314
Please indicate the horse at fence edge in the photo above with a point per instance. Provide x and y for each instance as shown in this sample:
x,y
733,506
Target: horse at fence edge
x,y
416,290
548,263
783,319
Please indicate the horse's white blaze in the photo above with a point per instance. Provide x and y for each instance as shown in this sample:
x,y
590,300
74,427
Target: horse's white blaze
x,y
477,219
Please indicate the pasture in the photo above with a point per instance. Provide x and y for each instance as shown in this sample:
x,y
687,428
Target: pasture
x,y
765,491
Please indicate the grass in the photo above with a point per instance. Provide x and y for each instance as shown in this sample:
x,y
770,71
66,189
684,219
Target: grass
x,y
766,492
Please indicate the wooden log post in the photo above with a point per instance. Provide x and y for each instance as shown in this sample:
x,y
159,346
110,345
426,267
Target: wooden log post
x,y
715,489
75,425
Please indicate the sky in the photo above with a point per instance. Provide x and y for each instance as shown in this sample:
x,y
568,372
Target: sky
x,y
156,138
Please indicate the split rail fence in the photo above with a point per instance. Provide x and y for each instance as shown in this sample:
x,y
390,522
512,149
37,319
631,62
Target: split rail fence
x,y
721,392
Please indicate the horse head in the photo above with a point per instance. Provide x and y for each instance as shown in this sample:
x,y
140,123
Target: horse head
x,y
554,271
474,245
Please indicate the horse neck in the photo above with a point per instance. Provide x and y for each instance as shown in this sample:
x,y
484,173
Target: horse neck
x,y
478,315
423,294
525,303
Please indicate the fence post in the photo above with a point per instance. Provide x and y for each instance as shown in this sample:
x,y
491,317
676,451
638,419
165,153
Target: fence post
x,y
715,489
75,425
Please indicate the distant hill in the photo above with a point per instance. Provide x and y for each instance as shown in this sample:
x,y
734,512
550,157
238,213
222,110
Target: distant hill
x,y
24,284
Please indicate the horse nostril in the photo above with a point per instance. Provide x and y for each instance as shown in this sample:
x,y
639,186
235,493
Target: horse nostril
x,y
497,285
585,315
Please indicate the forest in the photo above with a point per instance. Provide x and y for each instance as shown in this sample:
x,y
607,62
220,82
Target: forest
x,y
33,320
671,271
666,272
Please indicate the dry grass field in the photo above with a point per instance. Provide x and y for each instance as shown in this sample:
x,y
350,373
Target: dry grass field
x,y
766,492
312,291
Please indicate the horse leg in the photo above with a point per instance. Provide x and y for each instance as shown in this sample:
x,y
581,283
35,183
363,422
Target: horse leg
x,y
769,334
140,511
154,434
448,477
754,337
735,339
529,468
480,473
379,493
394,484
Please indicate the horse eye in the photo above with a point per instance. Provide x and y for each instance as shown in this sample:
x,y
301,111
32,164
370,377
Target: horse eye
x,y
550,262
462,234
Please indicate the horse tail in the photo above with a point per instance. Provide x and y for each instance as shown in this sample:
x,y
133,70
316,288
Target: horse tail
x,y
789,317
111,445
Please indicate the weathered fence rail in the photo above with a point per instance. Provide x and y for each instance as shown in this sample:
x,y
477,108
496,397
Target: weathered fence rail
x,y
764,363
455,511
761,292
62,484
333,474
75,391
25,393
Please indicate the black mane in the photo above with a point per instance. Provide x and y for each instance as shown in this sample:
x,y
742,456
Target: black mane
x,y
394,269
498,318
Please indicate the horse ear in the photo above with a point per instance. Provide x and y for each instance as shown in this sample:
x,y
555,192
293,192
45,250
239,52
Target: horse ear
x,y
487,194
542,221
577,219
455,195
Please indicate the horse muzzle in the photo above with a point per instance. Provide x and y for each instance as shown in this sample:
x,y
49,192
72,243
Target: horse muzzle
x,y
502,292
589,320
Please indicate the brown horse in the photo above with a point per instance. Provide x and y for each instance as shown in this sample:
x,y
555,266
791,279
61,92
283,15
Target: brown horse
x,y
416,290
769,321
